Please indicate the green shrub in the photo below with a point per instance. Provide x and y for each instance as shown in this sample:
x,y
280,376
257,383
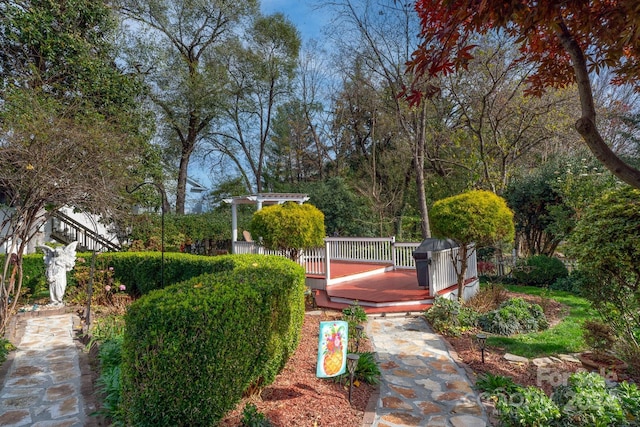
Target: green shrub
x,y
514,316
629,396
146,229
450,317
605,245
586,401
191,350
33,274
354,314
5,348
109,381
540,270
251,417
289,227
141,272
495,384
527,407
367,369
575,282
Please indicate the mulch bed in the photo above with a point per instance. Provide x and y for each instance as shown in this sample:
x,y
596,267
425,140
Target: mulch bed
x,y
298,398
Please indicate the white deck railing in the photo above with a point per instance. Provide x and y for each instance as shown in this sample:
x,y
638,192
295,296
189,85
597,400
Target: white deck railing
x,y
443,273
403,255
376,250
373,250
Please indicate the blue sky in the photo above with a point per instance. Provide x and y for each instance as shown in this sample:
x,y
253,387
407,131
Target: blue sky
x,y
300,12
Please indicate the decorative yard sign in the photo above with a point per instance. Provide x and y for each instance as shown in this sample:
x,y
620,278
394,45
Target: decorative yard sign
x,y
332,348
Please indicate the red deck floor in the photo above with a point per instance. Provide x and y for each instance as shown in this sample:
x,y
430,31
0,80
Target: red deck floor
x,y
399,286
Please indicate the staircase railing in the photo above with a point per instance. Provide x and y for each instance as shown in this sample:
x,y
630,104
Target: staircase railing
x,y
65,230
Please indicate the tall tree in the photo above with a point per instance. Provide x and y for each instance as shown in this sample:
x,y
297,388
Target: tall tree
x,y
261,70
70,128
505,128
382,35
301,125
565,42
178,48
291,154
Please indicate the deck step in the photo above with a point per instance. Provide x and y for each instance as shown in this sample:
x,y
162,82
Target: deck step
x,y
323,300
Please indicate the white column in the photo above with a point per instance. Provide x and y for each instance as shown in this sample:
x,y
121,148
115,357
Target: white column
x,y
234,227
327,262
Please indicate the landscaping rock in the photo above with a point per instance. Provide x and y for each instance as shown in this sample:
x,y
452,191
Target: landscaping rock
x,y
515,359
568,358
542,361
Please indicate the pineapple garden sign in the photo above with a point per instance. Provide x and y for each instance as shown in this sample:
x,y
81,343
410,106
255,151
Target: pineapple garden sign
x,y
332,349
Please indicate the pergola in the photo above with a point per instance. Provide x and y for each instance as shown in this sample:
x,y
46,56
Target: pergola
x,y
260,200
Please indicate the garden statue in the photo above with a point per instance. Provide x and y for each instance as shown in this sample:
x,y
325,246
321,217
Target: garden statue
x,y
58,261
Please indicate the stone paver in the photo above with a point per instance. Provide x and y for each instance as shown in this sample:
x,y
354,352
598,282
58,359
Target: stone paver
x,y
421,383
43,384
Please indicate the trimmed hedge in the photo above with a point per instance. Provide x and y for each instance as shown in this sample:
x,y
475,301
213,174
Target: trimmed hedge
x,y
191,350
33,272
141,271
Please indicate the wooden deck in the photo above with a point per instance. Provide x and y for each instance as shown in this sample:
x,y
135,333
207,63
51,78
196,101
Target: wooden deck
x,y
379,291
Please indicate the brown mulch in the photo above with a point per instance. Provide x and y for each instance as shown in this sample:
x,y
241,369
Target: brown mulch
x,y
298,398
494,363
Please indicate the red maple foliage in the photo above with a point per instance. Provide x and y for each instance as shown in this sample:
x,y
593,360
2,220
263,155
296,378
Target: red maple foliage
x,y
563,40
606,33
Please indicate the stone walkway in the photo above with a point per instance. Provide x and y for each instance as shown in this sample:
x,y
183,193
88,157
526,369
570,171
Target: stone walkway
x,y
43,386
421,383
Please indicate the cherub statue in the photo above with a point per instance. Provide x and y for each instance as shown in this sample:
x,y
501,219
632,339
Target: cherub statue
x,y
58,261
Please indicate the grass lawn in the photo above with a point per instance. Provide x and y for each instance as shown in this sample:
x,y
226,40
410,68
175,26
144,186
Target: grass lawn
x,y
566,337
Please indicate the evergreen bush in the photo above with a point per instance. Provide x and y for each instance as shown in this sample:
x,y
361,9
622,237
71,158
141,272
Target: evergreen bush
x,y
585,400
192,349
540,270
527,407
575,282
289,227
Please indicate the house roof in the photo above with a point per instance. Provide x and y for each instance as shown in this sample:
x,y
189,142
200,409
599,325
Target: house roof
x,y
267,198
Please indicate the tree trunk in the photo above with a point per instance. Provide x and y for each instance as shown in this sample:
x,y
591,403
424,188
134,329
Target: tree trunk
x,y
181,189
462,255
418,163
586,125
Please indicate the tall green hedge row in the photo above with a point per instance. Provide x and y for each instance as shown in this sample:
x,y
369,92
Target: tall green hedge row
x,y
191,350
141,272
33,272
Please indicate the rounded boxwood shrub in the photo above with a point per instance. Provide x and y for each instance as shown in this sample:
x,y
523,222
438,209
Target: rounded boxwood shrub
x,y
191,350
540,270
